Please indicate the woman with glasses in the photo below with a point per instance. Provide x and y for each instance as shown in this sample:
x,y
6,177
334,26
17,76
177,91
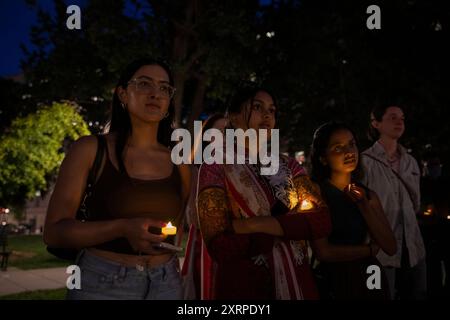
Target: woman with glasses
x,y
359,226
253,224
137,191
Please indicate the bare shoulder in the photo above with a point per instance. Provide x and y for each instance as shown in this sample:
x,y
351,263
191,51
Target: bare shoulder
x,y
83,150
85,146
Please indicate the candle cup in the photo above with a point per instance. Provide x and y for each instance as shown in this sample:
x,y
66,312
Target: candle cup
x,y
169,230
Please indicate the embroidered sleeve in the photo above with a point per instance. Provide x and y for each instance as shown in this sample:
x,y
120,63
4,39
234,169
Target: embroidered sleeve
x,y
306,189
313,208
215,222
213,212
309,191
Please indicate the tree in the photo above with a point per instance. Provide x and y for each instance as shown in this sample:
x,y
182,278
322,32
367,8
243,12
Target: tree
x,y
321,59
210,44
326,65
31,152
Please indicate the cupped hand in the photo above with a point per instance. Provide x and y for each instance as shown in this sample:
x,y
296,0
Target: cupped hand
x,y
136,231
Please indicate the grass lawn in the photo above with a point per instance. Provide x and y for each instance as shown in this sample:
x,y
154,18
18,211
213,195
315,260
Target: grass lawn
x,y
55,294
29,252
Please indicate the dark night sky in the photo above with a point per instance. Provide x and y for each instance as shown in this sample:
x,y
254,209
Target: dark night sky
x,y
16,19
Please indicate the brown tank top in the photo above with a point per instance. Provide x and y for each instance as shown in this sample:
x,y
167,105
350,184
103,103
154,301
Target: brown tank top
x,y
116,195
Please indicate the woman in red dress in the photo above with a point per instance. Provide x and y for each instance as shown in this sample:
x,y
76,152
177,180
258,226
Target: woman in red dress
x,y
254,226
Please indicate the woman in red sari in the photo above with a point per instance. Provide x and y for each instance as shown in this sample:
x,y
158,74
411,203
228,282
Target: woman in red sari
x,y
253,225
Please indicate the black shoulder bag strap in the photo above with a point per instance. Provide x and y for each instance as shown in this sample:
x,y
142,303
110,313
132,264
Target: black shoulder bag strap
x,y
83,213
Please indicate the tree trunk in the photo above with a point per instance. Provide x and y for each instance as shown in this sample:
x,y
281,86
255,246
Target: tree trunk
x,y
197,102
179,79
180,56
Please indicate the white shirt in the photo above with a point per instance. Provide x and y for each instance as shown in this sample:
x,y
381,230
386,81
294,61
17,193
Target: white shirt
x,y
399,206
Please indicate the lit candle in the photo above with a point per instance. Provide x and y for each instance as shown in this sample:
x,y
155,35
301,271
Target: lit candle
x,y
169,229
428,211
306,205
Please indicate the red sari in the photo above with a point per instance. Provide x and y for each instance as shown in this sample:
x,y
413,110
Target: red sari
x,y
258,265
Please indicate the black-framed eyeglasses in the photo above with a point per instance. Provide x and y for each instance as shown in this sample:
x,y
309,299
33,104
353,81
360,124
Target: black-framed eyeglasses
x,y
146,86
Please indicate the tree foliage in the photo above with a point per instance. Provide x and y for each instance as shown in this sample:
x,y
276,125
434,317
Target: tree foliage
x,y
31,151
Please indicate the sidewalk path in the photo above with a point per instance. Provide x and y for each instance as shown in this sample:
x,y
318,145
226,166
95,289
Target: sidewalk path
x,y
15,280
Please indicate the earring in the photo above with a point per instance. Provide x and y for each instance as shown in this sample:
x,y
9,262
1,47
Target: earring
x,y
166,115
123,105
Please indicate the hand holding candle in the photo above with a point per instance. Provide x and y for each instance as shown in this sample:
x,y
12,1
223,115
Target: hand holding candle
x,y
355,193
169,230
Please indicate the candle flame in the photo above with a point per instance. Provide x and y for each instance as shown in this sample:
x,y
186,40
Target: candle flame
x,y
169,229
306,205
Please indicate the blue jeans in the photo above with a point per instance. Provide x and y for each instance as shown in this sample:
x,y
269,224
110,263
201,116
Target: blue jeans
x,y
103,279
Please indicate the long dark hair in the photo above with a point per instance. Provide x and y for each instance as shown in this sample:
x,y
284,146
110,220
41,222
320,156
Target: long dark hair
x,y
246,93
321,140
120,122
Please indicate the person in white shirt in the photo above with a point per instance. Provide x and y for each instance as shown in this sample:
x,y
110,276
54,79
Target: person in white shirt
x,y
395,176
